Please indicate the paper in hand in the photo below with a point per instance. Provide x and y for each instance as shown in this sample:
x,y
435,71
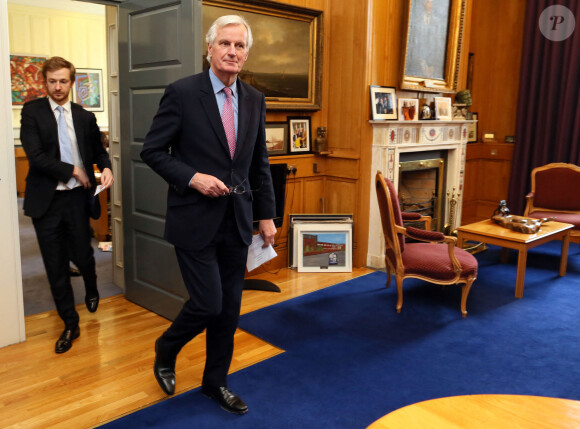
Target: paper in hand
x,y
100,188
258,255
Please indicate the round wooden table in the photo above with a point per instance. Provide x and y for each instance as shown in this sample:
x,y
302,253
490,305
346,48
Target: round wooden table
x,y
484,412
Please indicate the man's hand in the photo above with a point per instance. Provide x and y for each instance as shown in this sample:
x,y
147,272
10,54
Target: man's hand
x,y
267,231
81,175
209,186
107,179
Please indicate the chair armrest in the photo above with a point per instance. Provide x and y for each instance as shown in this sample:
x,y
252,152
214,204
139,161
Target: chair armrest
x,y
529,204
417,217
410,216
421,234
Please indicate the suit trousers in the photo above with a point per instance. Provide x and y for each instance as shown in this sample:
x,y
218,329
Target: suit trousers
x,y
64,234
214,278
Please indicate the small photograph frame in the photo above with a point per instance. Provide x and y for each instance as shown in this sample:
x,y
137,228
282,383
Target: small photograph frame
x,y
277,138
383,102
299,133
472,129
324,247
443,109
408,109
88,89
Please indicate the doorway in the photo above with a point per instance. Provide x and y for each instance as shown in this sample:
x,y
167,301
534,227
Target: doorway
x,y
87,50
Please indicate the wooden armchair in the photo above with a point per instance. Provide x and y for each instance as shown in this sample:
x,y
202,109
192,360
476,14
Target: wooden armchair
x,y
556,194
434,258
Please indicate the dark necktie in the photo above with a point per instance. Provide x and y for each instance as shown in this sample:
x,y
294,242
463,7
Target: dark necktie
x,y
228,121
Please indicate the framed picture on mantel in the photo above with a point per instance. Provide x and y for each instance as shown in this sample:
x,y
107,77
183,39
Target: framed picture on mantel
x,y
383,102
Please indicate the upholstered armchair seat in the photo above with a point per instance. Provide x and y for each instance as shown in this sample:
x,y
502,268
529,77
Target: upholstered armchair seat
x,y
427,260
573,218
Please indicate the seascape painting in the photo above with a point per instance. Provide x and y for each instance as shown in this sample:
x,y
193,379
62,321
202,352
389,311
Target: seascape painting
x,y
275,66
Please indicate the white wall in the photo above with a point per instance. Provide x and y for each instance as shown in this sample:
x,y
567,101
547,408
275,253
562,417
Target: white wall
x,y
11,304
77,36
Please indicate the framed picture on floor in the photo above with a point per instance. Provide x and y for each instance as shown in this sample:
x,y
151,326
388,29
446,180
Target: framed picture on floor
x,y
323,247
296,218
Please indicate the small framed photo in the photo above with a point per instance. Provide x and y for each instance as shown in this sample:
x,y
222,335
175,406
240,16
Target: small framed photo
x,y
88,89
408,109
472,129
324,247
443,109
299,131
383,102
277,138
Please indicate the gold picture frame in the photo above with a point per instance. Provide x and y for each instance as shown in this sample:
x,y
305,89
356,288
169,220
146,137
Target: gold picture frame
x,y
433,42
285,61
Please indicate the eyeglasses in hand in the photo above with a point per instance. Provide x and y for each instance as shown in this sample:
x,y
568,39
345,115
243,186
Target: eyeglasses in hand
x,y
241,189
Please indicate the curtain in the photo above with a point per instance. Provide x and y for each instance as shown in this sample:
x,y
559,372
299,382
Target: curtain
x,y
548,111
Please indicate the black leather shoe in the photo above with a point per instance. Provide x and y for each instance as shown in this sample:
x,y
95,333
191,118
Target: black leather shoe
x,y
164,370
227,399
92,303
64,343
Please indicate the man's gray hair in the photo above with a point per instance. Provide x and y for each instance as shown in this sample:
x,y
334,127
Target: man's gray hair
x,y
221,22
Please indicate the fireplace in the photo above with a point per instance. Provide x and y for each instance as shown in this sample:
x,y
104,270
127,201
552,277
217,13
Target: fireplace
x,y
425,160
422,186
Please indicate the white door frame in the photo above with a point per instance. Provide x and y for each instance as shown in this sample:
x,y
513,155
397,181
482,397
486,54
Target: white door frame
x,y
11,301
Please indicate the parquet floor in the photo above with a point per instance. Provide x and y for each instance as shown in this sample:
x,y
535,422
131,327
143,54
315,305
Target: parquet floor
x,y
108,371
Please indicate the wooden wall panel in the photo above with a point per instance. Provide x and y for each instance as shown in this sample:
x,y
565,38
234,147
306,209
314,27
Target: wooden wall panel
x,y
340,195
496,42
313,195
487,173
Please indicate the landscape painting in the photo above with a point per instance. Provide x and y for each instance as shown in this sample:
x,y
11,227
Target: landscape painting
x,y
287,73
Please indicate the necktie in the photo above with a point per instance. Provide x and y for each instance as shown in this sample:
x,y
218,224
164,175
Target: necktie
x,y
63,138
66,153
228,121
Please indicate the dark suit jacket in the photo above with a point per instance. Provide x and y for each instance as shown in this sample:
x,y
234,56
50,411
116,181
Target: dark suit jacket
x,y
187,136
39,137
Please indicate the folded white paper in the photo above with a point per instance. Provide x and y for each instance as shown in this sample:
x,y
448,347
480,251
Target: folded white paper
x,y
100,188
258,255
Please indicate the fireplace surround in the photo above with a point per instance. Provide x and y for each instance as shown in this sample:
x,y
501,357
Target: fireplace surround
x,y
397,141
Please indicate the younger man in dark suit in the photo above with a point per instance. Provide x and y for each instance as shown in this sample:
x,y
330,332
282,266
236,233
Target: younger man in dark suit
x,y
62,142
208,142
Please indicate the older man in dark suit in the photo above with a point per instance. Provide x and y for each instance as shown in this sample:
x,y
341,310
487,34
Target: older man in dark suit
x,y
62,142
208,142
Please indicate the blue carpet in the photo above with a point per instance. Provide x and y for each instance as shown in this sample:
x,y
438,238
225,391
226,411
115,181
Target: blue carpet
x,y
350,358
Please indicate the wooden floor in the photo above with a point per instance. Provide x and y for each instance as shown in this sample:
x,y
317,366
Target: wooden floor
x,y
108,372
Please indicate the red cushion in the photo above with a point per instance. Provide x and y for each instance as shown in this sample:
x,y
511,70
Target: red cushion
x,y
558,189
432,260
573,218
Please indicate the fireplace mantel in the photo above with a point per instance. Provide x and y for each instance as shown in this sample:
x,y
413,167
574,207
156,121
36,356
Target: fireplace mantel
x,y
393,138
